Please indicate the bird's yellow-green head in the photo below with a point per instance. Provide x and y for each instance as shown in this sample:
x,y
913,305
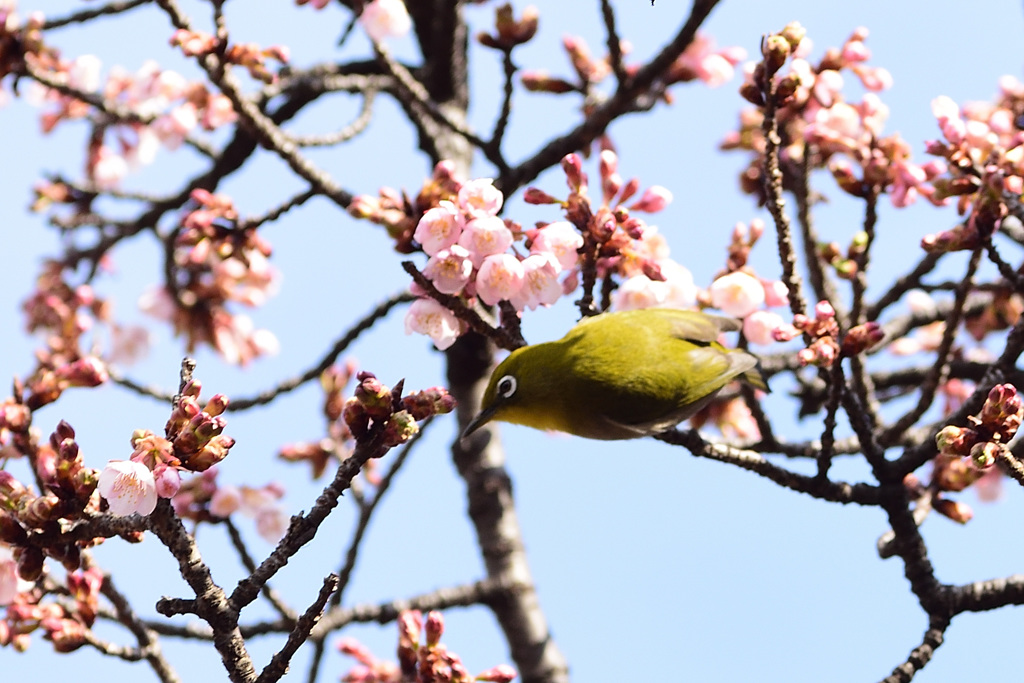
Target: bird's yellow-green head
x,y
618,375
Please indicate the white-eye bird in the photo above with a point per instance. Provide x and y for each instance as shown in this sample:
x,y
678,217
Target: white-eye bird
x,y
618,375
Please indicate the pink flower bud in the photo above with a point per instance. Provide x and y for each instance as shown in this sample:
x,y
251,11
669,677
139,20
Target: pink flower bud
x,y
535,195
654,199
167,480
572,165
862,337
503,673
434,628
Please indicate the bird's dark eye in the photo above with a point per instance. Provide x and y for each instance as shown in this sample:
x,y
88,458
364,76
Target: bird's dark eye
x,y
506,386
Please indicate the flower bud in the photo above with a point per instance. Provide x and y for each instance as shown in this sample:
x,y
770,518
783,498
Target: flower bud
x,y
984,454
794,34
356,419
374,395
217,404
535,195
30,562
953,440
434,628
399,428
540,81
84,372
572,165
503,673
11,532
862,337
409,625
955,510
775,50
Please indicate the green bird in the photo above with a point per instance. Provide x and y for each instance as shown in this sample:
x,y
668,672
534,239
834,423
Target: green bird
x,y
618,375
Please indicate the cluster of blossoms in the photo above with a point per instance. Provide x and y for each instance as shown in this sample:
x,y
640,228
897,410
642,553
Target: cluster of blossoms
x,y
967,455
700,61
989,431
422,658
28,521
217,261
63,314
372,406
456,224
166,109
983,146
814,120
63,623
1001,310
194,442
621,244
825,346
203,499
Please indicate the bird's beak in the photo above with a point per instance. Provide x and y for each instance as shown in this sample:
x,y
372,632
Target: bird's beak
x,y
482,418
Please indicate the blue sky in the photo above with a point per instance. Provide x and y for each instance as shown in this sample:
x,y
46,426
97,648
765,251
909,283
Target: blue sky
x,y
649,563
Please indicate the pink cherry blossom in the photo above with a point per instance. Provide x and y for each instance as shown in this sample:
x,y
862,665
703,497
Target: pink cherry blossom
x,y
128,487
10,583
449,269
776,293
439,228
428,317
737,294
501,276
540,282
638,292
225,500
271,523
107,168
485,236
172,128
759,327
560,239
479,198
948,114
84,73
677,290
384,19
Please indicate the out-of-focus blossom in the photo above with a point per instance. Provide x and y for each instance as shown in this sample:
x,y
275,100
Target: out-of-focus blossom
x,y
759,327
385,19
737,294
226,500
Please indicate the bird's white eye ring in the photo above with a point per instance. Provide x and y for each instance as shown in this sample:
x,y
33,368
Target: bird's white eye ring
x,y
506,386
